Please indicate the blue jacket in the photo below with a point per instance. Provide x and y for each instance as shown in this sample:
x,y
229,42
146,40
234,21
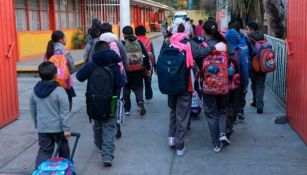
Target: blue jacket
x,y
235,41
104,58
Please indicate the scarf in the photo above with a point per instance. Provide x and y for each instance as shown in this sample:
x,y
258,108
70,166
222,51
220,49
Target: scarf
x,y
176,42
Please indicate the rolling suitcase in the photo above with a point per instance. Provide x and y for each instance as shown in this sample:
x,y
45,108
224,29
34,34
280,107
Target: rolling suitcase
x,y
57,165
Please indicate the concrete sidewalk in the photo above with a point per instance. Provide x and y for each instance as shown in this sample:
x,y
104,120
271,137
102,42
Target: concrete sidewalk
x,y
258,145
30,65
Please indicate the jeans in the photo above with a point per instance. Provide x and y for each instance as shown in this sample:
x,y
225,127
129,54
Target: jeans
x,y
47,143
215,107
180,106
104,137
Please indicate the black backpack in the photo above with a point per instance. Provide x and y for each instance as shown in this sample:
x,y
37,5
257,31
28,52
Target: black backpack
x,y
100,88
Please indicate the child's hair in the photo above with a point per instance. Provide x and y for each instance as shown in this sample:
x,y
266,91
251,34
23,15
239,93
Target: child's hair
x,y
253,25
105,28
200,22
94,32
181,28
234,24
101,45
140,30
55,37
210,27
47,70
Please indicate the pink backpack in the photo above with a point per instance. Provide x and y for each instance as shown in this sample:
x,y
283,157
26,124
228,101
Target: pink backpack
x,y
216,83
114,47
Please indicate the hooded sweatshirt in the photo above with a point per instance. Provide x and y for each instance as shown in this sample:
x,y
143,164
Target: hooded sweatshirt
x,y
49,108
235,42
104,58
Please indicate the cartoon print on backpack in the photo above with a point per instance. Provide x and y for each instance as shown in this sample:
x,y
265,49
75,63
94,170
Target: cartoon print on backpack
x,y
135,55
265,61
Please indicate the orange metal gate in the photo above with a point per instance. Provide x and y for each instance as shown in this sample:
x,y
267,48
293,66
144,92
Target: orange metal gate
x,y
8,56
297,66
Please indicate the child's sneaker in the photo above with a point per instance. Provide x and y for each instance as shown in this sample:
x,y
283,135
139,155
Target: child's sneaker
x,y
217,149
180,153
142,109
224,140
240,116
171,141
127,113
107,163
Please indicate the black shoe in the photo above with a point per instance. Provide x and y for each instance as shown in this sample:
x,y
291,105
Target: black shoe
x,y
240,116
259,111
107,163
118,132
142,109
253,104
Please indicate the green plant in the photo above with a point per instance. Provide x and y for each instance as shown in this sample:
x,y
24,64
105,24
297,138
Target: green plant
x,y
78,39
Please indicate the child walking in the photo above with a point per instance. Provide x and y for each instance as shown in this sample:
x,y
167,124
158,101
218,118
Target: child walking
x,y
49,107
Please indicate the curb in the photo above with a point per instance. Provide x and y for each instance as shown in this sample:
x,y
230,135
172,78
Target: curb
x,y
78,64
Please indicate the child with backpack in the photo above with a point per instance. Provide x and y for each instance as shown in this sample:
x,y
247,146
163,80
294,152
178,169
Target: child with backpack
x,y
239,59
140,32
263,62
63,61
118,47
174,76
138,63
215,84
101,98
49,108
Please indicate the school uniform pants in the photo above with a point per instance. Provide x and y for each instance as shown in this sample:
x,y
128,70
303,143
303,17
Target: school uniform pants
x,y
215,107
104,137
135,84
258,88
180,106
148,88
46,142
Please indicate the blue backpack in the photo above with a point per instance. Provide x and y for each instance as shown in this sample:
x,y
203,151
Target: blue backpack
x,y
172,71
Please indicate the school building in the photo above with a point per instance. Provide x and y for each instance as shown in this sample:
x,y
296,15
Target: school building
x,y
26,27
36,19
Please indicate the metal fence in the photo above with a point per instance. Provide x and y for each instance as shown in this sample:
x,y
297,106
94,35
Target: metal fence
x,y
276,80
105,10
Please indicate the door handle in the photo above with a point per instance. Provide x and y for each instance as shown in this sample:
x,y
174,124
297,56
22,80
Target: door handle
x,y
10,52
289,47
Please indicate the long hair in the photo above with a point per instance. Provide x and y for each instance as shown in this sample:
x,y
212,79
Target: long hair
x,y
210,27
55,37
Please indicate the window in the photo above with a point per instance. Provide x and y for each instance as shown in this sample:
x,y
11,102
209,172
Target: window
x,y
20,13
32,15
68,14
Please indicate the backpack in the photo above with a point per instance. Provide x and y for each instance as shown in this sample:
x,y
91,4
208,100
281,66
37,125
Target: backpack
x,y
216,83
63,77
135,55
235,66
56,166
172,71
265,61
100,88
148,46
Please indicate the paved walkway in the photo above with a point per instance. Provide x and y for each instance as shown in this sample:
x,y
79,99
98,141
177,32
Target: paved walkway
x,y
258,145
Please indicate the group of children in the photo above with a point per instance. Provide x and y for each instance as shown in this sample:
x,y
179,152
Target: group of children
x,y
215,70
113,69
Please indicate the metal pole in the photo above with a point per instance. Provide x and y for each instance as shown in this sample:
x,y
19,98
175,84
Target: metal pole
x,y
124,13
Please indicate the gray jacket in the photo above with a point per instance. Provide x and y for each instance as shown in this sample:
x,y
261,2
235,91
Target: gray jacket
x,y
49,108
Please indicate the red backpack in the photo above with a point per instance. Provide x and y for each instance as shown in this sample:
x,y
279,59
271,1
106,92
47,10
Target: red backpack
x,y
264,61
216,83
146,42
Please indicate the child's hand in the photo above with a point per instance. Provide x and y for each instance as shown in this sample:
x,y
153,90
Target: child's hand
x,y
67,133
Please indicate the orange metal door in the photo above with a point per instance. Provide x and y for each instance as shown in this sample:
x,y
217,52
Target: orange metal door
x,y
297,66
8,56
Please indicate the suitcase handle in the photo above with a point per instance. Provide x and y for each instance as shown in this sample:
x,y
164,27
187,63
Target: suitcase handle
x,y
77,135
